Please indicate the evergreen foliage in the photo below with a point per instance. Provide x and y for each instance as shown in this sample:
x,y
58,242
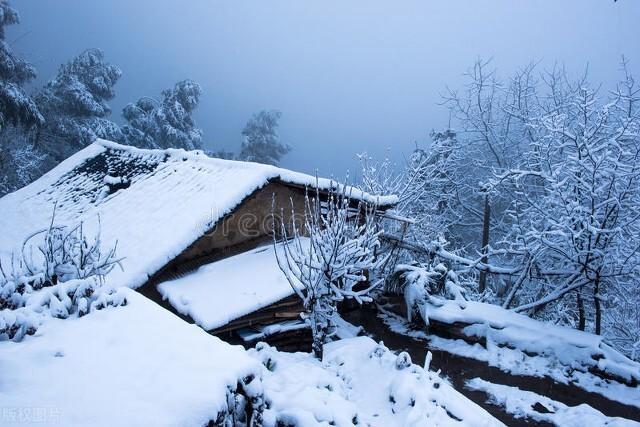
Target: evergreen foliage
x,y
16,107
261,142
75,107
167,123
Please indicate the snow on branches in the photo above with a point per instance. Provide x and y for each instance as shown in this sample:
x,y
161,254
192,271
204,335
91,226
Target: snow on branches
x,y
335,262
583,224
424,285
74,105
59,273
538,192
164,123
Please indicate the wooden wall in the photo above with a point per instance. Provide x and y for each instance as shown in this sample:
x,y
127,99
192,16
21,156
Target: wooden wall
x,y
251,222
288,308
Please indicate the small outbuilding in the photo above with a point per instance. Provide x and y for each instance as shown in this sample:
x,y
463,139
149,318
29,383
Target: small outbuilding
x,y
194,232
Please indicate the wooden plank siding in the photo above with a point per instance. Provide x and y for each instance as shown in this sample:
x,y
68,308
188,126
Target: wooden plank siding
x,y
286,309
250,221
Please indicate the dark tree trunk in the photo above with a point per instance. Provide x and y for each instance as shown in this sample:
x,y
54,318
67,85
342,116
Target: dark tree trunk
x,y
596,303
316,347
36,137
318,332
482,282
581,319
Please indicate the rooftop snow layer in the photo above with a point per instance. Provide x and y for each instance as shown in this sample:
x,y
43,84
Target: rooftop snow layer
x,y
132,365
154,203
217,293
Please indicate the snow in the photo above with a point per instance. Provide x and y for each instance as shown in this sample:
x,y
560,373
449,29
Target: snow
x,y
73,298
521,403
517,362
345,329
217,293
252,334
131,365
523,330
138,364
521,345
359,380
173,197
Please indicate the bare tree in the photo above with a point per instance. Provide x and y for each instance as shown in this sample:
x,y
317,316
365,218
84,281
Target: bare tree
x,y
584,226
330,258
547,167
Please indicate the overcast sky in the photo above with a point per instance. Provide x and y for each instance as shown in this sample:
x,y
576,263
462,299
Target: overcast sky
x,y
347,75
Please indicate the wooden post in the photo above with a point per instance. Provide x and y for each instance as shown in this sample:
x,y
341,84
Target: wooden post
x,y
482,282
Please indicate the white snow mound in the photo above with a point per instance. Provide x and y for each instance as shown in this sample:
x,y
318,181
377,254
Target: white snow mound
x,y
131,365
360,382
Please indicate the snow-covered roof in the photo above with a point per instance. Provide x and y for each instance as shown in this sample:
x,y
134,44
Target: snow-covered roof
x,y
132,365
217,293
154,203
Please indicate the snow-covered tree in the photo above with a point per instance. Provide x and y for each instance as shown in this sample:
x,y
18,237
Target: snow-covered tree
x,y
167,123
16,107
584,226
141,128
75,107
424,285
329,257
493,116
20,162
548,166
260,140
440,199
431,186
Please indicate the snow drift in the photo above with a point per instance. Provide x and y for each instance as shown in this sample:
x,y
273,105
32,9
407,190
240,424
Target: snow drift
x,y
132,365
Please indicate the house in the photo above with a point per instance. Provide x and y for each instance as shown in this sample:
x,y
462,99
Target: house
x,y
188,227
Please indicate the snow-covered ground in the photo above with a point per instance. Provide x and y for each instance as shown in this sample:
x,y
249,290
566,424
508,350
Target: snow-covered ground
x,y
138,364
220,292
131,365
567,346
522,403
360,382
517,362
523,346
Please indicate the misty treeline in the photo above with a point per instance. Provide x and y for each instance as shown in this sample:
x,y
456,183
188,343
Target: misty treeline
x,y
532,196
38,130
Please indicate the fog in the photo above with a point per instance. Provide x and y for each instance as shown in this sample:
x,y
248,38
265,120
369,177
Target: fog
x,y
348,76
